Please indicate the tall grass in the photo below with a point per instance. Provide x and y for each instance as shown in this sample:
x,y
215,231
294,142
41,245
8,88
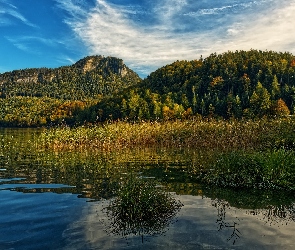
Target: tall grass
x,y
220,135
243,154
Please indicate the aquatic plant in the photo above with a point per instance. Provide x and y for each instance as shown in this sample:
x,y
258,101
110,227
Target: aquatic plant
x,y
141,208
259,169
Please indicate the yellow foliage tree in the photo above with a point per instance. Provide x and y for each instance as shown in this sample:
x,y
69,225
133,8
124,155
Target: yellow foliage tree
x,y
280,108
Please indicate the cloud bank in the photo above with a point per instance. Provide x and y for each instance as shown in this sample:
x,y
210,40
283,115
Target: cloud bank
x,y
149,36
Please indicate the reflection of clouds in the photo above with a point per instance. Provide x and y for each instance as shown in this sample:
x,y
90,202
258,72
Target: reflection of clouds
x,y
276,215
196,228
90,231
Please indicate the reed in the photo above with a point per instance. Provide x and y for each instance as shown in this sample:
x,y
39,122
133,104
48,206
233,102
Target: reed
x,y
242,154
214,134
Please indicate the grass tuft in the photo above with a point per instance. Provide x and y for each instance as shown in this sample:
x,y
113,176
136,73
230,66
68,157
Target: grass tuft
x,y
141,208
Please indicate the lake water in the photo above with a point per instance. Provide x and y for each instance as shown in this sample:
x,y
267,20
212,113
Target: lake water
x,y
57,200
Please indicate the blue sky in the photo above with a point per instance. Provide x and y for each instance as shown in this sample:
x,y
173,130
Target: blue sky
x,y
146,34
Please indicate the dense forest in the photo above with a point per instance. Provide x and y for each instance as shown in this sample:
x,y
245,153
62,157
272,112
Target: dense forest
x,y
240,84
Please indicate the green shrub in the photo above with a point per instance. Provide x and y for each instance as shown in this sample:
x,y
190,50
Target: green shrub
x,y
262,169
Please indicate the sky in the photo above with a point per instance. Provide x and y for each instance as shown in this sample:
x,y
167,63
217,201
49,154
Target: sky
x,y
146,34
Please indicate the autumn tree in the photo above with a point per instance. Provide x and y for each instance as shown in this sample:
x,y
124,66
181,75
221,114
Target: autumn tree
x,y
280,108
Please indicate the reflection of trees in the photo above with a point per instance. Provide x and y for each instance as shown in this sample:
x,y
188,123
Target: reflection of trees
x,y
94,174
274,207
276,214
221,206
141,208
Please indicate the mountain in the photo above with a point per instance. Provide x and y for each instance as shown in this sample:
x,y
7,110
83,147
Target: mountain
x,y
90,77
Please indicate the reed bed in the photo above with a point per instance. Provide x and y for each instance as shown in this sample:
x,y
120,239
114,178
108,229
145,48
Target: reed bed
x,y
241,154
207,135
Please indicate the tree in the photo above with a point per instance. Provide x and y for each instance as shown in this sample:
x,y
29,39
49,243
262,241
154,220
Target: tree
x,y
194,100
280,108
124,108
237,108
275,88
260,101
134,104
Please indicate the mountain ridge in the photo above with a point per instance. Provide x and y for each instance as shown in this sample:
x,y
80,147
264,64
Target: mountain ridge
x,y
90,77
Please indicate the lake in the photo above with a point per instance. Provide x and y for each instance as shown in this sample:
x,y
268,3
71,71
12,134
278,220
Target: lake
x,y
58,200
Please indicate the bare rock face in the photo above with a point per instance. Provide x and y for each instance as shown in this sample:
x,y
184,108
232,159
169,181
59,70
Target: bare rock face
x,y
107,65
89,65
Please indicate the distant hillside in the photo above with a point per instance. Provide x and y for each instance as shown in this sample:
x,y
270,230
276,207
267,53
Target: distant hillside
x,y
233,84
90,77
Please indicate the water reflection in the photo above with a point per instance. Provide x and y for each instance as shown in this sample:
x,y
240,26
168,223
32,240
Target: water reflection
x,y
276,215
209,218
221,221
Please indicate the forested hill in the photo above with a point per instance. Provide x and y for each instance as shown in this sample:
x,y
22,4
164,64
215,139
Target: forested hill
x,y
90,77
233,84
240,84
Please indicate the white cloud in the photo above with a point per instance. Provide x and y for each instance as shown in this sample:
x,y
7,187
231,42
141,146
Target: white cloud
x,y
166,10
73,7
65,59
18,44
9,10
269,30
4,21
107,30
226,8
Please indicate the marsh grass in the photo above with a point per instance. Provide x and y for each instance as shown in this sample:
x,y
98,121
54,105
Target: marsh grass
x,y
208,135
141,208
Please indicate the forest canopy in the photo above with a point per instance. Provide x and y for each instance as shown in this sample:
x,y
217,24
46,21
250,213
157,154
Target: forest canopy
x,y
241,84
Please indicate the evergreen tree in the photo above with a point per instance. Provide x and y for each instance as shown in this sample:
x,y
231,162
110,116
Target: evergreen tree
x,y
275,88
260,102
280,108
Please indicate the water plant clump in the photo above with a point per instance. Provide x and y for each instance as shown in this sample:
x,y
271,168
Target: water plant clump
x,y
141,208
259,169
